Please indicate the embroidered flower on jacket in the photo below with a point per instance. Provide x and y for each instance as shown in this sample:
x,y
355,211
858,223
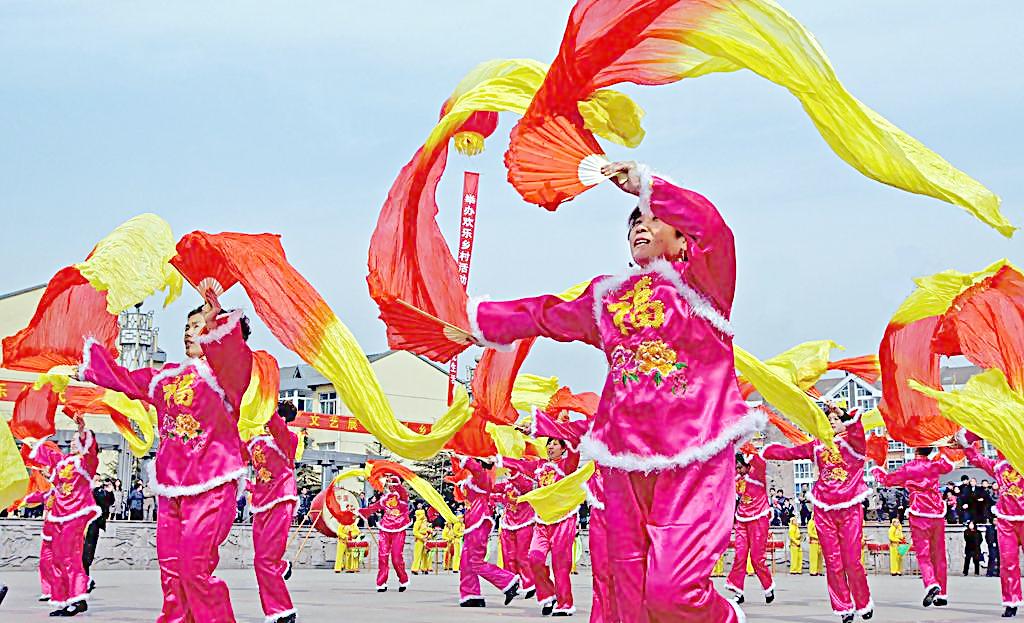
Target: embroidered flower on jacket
x,y
652,358
66,488
67,471
264,475
258,457
186,427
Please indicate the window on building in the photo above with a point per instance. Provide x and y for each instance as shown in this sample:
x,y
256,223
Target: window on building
x,y
893,465
802,470
327,445
897,446
329,403
302,403
864,392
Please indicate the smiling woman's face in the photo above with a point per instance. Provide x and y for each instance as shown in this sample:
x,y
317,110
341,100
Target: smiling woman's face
x,y
650,238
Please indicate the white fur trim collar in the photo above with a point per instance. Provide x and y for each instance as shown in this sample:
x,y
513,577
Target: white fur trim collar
x,y
698,304
857,499
202,369
255,510
472,309
222,330
82,512
631,462
181,491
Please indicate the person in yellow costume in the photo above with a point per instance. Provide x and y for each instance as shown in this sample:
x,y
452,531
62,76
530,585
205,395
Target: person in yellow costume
x,y
420,532
446,536
896,538
796,552
815,558
345,556
719,570
457,531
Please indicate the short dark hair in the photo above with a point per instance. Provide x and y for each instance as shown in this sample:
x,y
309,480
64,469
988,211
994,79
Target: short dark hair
x,y
286,409
561,442
243,322
924,451
635,215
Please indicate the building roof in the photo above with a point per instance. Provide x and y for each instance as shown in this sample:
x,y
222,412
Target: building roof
x,y
950,375
304,376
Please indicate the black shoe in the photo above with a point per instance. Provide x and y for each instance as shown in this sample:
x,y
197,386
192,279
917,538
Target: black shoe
x,y
848,618
76,608
3,592
44,598
940,602
1011,611
61,613
511,593
288,619
867,616
402,589
415,572
562,614
547,609
769,596
929,598
288,572
739,599
473,603
92,585
530,594
382,589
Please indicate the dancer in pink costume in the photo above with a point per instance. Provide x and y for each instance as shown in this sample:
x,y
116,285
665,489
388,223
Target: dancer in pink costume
x,y
46,541
751,528
670,411
67,519
517,524
572,429
199,462
837,497
273,506
479,489
1009,520
927,516
553,538
393,506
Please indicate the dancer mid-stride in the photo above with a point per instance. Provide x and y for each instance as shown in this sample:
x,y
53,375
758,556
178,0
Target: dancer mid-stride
x,y
67,519
670,412
478,489
837,497
272,455
393,506
199,461
751,528
1009,521
927,517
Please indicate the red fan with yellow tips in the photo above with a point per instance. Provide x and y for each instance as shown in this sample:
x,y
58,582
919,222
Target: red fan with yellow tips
x,y
554,161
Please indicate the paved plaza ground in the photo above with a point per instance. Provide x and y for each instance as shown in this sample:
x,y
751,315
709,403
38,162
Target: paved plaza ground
x,y
134,597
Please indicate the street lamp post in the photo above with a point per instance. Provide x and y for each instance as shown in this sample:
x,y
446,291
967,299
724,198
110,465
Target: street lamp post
x,y
137,342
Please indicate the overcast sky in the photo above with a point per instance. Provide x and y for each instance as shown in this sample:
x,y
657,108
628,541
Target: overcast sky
x,y
295,117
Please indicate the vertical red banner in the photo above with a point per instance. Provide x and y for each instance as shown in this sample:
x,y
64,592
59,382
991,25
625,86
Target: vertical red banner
x,y
464,254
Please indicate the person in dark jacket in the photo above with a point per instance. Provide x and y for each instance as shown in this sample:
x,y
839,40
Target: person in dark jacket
x,y
992,539
103,493
972,547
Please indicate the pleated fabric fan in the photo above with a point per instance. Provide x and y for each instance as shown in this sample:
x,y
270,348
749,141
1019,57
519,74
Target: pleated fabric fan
x,y
553,160
202,265
414,330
